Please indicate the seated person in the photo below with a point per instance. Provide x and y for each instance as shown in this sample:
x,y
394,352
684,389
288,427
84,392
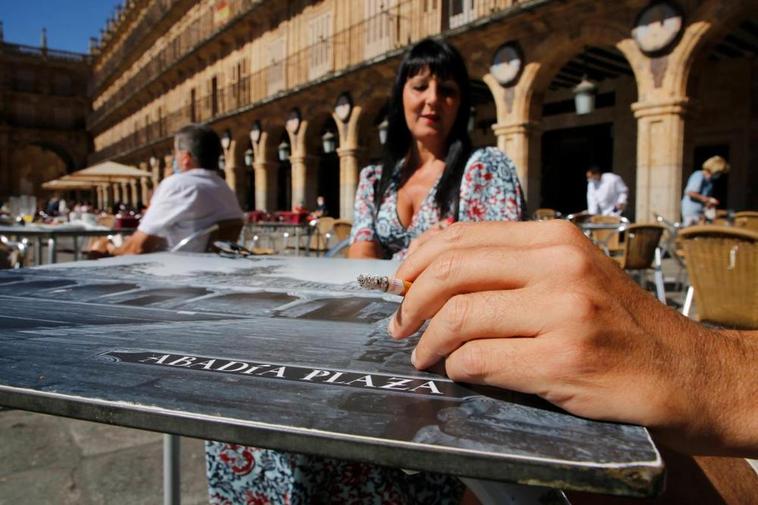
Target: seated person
x,y
192,199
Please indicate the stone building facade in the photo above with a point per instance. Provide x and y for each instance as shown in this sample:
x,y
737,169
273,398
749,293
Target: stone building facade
x,y
43,111
675,83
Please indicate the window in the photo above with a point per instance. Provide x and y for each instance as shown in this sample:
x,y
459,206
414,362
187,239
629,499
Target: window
x,y
276,52
193,106
461,12
319,45
380,26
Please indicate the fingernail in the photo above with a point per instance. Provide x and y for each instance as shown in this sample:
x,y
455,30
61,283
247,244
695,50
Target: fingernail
x,y
413,357
391,326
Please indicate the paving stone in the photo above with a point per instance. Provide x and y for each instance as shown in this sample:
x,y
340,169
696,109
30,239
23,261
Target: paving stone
x,y
34,441
42,486
96,438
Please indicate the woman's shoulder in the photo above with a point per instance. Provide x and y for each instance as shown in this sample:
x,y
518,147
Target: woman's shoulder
x,y
489,159
371,172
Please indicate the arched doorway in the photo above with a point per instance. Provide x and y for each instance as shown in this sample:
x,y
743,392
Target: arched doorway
x,y
328,168
605,137
722,83
284,174
35,164
483,115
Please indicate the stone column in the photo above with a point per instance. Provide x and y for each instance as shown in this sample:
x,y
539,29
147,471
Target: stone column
x,y
116,192
299,179
660,157
348,181
265,185
100,199
517,141
125,194
145,190
134,195
106,197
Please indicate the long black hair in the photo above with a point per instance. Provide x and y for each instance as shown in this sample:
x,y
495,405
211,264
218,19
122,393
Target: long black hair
x,y
444,62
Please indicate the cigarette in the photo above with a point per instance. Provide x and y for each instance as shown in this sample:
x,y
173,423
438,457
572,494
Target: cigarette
x,y
384,283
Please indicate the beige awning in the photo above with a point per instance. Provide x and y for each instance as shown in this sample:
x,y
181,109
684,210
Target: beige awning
x,y
68,184
108,171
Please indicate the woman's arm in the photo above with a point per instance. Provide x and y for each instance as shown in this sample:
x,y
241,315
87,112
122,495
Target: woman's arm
x,y
366,249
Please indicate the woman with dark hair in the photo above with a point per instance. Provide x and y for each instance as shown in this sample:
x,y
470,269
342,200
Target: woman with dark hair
x,y
430,176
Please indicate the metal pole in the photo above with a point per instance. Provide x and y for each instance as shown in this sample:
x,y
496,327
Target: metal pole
x,y
52,250
171,475
501,493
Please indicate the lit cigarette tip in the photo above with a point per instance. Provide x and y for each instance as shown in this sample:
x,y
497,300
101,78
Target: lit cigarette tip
x,y
384,283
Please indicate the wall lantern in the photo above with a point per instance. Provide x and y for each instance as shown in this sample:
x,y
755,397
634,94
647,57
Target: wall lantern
x,y
584,96
329,141
344,107
471,119
221,163
226,140
255,132
249,158
658,27
383,127
284,151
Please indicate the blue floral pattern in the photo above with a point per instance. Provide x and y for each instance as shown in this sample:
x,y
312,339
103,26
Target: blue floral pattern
x,y
490,191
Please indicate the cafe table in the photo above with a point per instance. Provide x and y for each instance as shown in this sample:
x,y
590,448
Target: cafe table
x,y
287,353
52,233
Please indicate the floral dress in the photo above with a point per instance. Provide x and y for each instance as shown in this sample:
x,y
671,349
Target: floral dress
x,y
241,475
490,191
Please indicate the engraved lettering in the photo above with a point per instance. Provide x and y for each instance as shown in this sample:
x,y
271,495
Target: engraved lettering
x,y
279,372
183,361
430,385
366,379
315,374
206,365
225,368
253,368
395,383
334,377
158,361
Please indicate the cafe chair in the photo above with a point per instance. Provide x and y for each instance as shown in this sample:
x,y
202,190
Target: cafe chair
x,y
342,229
339,250
747,219
545,214
642,253
722,263
579,217
227,230
16,252
608,240
322,234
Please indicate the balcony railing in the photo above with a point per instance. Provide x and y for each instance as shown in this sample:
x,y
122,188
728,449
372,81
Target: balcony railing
x,y
381,35
195,35
43,52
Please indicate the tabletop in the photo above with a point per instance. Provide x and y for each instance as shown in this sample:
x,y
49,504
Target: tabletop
x,y
64,230
283,353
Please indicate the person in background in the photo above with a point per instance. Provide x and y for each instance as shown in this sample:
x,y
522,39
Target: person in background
x,y
192,199
536,307
699,190
606,193
320,210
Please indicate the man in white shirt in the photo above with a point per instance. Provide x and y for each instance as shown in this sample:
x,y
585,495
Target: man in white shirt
x,y
606,193
191,200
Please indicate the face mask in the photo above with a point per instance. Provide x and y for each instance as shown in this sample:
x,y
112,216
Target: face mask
x,y
175,166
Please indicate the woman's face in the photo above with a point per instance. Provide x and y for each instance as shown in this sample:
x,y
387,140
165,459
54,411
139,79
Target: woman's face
x,y
430,105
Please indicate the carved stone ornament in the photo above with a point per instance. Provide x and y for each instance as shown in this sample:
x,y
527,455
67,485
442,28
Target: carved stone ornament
x,y
293,121
658,27
344,106
507,63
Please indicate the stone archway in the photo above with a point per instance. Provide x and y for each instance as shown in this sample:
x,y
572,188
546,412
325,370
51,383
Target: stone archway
x,y
34,164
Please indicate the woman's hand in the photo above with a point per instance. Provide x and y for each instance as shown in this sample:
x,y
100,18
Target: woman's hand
x,y
536,307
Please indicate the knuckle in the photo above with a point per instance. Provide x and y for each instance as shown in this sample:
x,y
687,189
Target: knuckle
x,y
581,307
455,232
444,267
573,260
454,315
467,364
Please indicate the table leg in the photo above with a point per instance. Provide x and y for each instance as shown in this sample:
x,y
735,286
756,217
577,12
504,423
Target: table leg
x,y
297,241
171,474
52,250
77,253
37,251
660,287
501,493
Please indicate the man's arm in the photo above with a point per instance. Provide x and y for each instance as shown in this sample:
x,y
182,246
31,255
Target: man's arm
x,y
138,243
537,308
592,203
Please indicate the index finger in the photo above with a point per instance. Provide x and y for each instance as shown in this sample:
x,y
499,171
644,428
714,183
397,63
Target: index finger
x,y
488,234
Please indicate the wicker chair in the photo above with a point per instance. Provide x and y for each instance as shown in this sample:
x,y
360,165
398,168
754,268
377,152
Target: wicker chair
x,y
722,263
608,239
545,214
319,240
747,219
642,252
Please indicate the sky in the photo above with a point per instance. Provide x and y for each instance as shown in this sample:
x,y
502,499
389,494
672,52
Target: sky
x,y
69,23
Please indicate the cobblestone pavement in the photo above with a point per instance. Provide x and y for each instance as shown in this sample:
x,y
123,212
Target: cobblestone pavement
x,y
53,460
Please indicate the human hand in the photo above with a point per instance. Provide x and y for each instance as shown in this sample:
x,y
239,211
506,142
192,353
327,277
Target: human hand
x,y
711,202
536,307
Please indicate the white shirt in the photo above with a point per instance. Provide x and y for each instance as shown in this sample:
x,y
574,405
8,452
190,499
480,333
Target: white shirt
x,y
188,202
605,195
